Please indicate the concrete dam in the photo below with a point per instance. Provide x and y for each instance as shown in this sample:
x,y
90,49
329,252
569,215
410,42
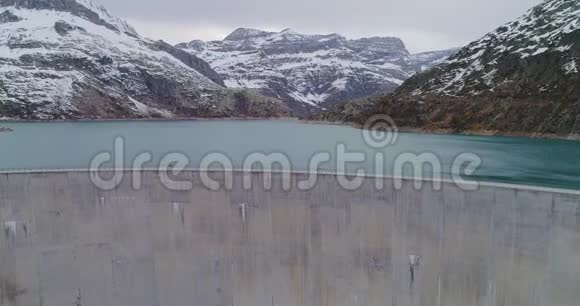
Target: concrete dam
x,y
65,242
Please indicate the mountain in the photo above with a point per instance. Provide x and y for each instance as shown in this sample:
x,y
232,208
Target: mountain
x,y
534,56
426,60
67,59
521,78
311,72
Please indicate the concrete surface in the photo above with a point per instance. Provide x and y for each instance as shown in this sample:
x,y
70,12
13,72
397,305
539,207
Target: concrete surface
x,y
64,242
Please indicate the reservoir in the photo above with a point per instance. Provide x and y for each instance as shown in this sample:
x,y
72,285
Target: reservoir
x,y
72,145
513,241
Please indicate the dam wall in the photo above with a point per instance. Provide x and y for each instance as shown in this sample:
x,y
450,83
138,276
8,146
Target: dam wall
x,y
65,242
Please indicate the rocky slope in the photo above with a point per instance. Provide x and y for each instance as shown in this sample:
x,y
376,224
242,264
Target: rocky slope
x,y
67,59
534,56
519,79
311,72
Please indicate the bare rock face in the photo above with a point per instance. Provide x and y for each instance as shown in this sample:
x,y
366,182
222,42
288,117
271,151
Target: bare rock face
x,y
66,59
8,16
191,61
309,72
64,28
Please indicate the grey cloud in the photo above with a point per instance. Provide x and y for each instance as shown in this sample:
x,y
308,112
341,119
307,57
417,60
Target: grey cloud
x,y
423,24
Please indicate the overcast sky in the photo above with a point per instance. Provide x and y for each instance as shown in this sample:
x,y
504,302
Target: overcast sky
x,y
423,24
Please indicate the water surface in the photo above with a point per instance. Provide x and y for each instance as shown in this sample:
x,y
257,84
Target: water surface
x,y
72,145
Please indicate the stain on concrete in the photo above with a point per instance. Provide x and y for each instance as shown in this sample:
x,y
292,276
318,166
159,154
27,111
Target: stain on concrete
x,y
414,263
10,291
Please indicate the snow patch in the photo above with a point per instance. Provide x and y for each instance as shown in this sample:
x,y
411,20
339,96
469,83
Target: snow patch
x,y
310,98
540,51
243,83
571,67
146,110
340,84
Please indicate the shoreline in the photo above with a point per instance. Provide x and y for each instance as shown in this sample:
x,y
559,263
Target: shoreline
x,y
489,133
148,119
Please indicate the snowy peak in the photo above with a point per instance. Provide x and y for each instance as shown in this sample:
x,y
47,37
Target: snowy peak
x,y
308,72
104,15
535,55
196,45
245,33
289,40
543,28
87,9
71,59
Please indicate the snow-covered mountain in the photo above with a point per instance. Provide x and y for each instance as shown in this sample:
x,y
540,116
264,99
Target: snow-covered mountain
x,y
311,72
523,79
536,55
72,59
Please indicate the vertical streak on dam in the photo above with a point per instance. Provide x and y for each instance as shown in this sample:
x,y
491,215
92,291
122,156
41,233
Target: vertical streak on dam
x,y
64,242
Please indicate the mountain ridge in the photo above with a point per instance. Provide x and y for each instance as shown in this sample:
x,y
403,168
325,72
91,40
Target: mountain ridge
x,y
515,59
67,59
310,72
522,78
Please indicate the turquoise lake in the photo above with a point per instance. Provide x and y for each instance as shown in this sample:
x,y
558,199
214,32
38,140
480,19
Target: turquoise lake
x,y
72,145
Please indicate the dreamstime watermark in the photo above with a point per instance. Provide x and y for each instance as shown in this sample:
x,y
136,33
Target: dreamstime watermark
x,y
379,133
